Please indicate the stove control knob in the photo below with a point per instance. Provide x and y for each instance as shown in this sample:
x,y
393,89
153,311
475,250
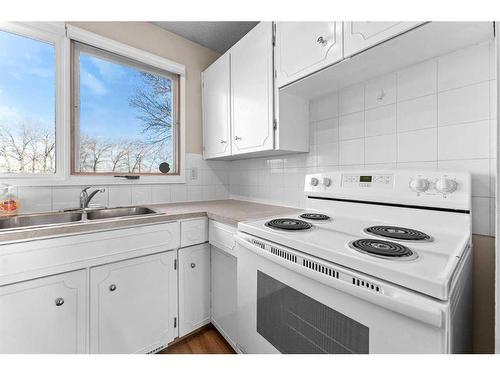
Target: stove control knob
x,y
314,181
419,185
446,185
327,181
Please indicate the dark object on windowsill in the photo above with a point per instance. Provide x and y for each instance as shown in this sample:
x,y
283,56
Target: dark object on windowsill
x,y
164,167
128,177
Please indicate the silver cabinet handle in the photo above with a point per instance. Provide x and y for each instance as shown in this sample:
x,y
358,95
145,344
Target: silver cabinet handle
x,y
193,265
323,41
59,301
236,138
223,141
112,287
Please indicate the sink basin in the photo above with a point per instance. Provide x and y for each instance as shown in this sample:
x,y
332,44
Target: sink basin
x,y
110,213
39,219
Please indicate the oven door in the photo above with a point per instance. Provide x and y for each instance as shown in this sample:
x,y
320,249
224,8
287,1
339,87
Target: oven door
x,y
285,307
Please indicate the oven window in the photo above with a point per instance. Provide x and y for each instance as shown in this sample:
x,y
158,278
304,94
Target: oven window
x,y
297,324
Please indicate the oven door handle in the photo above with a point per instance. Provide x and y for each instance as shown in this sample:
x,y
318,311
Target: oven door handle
x,y
399,303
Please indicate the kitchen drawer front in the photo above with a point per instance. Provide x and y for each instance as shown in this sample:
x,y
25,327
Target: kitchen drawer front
x,y
37,258
221,236
194,231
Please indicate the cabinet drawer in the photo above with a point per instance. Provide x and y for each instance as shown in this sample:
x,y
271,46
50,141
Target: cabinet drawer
x,y
221,236
194,231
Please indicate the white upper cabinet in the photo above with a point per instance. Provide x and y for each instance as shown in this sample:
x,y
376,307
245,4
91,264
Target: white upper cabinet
x,y
45,316
303,48
359,36
216,109
252,91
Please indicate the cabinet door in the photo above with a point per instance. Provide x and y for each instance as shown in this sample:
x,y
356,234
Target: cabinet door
x,y
224,289
359,36
305,47
46,315
216,109
252,91
194,288
133,304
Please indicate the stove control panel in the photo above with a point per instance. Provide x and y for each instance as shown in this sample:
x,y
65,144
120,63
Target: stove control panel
x,y
408,187
377,181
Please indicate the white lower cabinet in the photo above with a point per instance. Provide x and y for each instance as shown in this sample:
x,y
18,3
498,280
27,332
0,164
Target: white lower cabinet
x,y
194,288
223,294
133,304
46,315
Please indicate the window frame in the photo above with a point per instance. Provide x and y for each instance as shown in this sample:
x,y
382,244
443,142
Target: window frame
x,y
60,35
53,33
76,49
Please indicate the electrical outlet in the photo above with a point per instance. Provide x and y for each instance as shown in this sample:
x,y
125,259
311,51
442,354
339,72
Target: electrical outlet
x,y
193,174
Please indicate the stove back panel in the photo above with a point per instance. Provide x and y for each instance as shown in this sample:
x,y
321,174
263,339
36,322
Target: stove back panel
x,y
297,324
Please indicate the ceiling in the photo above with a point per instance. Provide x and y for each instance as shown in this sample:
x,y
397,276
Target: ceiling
x,y
218,36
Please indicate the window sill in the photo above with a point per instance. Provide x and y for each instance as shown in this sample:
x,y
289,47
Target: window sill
x,y
91,180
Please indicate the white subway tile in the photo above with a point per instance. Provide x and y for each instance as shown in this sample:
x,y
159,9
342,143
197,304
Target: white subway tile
x,y
418,145
380,91
419,113
381,120
34,199
326,131
352,126
328,154
352,152
465,104
481,215
160,194
324,107
141,194
195,193
493,177
418,165
65,197
120,196
464,67
493,138
381,149
465,141
417,80
480,173
352,99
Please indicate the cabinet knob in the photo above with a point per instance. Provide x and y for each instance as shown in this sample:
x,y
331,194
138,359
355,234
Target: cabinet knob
x,y
59,301
112,287
193,265
223,141
236,138
323,41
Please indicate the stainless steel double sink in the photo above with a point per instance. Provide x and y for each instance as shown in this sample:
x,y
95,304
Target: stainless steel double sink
x,y
51,218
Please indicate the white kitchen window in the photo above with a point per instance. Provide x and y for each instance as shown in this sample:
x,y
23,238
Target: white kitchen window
x,y
30,101
125,115
60,84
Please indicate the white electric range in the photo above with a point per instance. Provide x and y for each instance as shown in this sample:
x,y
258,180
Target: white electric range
x,y
380,262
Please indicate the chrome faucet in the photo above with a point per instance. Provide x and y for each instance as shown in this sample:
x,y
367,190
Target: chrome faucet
x,y
85,197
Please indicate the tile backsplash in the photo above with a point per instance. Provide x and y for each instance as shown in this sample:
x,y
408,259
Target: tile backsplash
x,y
440,113
212,181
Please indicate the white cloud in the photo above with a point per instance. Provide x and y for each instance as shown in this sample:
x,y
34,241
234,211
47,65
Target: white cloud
x,y
92,83
107,69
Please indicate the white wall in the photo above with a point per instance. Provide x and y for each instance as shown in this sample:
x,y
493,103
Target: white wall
x,y
440,113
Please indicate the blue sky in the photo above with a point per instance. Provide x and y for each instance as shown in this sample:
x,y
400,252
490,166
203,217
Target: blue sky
x,y
27,89
27,81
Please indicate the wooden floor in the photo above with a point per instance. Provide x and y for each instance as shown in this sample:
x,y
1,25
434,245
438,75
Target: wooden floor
x,y
206,341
